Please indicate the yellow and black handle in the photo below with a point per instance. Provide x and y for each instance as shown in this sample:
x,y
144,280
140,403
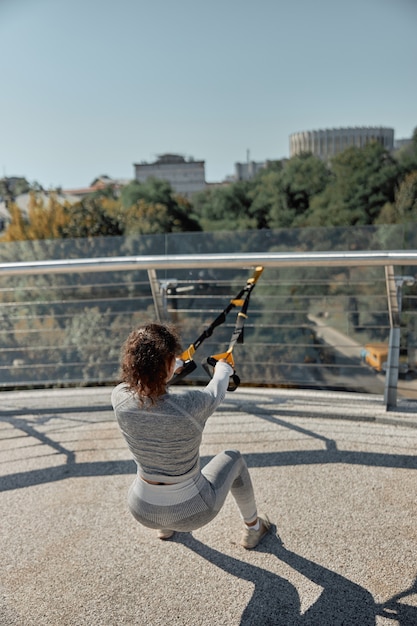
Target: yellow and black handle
x,y
234,380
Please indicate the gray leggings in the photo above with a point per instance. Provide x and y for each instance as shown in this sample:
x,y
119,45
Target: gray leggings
x,y
195,502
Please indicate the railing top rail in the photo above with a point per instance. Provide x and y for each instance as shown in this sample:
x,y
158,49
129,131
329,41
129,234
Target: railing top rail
x,y
217,260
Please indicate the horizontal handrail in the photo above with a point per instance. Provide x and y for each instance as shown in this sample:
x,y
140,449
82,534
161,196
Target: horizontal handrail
x,y
228,260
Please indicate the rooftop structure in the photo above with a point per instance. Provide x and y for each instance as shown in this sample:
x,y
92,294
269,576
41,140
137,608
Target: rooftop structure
x,y
101,182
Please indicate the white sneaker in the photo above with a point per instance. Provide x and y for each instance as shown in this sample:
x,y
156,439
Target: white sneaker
x,y
251,537
164,533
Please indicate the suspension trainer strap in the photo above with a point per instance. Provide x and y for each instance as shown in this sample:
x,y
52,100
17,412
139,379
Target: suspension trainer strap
x,y
237,335
237,301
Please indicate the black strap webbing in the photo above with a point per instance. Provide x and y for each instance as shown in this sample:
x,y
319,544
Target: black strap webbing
x,y
237,337
241,299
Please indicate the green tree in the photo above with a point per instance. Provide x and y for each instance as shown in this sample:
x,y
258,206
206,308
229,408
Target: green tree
x,y
388,214
144,218
11,187
109,191
269,201
301,178
364,180
407,155
131,193
282,195
225,208
90,344
157,193
90,218
406,198
17,227
404,209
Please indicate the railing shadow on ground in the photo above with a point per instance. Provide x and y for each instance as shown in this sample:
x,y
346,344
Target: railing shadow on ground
x,y
330,454
276,602
29,426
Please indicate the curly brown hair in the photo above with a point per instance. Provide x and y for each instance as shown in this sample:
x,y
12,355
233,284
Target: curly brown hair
x,y
146,356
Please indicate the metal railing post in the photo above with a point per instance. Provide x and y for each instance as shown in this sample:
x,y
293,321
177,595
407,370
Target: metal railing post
x,y
394,286
391,377
157,295
159,290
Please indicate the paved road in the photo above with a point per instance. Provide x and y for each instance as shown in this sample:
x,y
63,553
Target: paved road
x,y
350,371
335,472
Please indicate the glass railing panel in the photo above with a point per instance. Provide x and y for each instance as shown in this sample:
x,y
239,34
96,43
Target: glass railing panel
x,y
307,327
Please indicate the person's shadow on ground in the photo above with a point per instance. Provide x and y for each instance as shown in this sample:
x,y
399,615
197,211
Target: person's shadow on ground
x,y
275,601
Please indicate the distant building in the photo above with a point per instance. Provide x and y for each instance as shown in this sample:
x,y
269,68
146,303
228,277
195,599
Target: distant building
x,y
325,144
101,182
246,171
400,143
185,177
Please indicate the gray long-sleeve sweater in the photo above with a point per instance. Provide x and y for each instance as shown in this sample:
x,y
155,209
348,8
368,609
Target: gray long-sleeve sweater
x,y
164,438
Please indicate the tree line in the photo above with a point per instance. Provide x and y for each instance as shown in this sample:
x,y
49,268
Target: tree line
x,y
365,186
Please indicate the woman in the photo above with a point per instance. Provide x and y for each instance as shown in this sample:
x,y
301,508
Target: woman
x,y
163,431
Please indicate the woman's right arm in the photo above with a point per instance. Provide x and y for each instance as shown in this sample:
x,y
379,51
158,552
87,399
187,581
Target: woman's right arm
x,y
200,404
217,387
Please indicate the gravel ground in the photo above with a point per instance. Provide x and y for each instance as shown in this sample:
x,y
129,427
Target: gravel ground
x,y
336,474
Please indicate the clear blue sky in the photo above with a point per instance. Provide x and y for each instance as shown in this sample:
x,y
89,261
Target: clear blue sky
x,y
89,87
